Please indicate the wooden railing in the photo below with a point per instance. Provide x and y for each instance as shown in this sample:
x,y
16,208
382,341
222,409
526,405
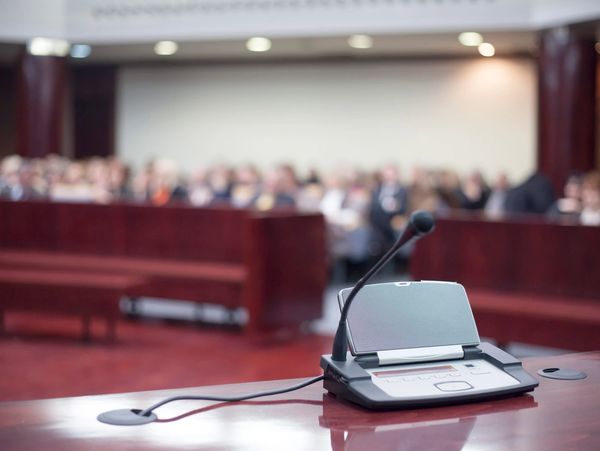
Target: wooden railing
x,y
527,279
272,264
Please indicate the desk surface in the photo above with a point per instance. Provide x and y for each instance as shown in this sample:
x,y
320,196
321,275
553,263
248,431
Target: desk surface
x,y
559,415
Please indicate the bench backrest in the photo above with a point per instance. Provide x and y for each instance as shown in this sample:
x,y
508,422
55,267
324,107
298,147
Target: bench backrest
x,y
211,234
512,255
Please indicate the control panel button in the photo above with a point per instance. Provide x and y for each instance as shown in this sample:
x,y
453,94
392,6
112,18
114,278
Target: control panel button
x,y
454,386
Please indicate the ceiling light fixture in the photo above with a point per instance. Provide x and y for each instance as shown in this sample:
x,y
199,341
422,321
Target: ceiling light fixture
x,y
258,44
486,49
48,47
80,51
470,39
360,41
165,48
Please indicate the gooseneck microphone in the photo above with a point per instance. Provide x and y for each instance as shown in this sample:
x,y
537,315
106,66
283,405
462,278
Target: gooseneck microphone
x,y
420,223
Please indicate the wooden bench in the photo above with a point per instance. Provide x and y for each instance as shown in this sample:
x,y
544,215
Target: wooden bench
x,y
528,280
554,321
271,265
86,295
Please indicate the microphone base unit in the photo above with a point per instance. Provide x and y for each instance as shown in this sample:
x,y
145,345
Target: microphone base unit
x,y
485,372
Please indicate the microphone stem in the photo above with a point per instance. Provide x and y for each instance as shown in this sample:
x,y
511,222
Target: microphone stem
x,y
374,270
340,342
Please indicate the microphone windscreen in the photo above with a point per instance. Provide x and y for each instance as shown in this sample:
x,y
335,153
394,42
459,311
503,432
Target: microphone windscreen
x,y
422,222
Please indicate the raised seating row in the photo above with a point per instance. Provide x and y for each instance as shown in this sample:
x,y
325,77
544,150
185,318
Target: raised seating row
x,y
273,265
528,280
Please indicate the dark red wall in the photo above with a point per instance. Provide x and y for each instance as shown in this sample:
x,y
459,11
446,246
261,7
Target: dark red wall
x,y
7,110
566,103
94,97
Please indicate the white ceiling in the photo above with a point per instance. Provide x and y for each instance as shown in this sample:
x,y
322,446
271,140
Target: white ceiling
x,y
122,31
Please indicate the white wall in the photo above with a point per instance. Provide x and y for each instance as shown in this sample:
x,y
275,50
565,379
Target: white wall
x,y
460,114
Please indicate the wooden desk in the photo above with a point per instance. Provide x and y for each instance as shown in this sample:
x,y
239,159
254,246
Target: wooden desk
x,y
558,415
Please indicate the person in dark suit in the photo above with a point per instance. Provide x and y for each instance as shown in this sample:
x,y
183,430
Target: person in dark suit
x,y
474,192
535,195
389,205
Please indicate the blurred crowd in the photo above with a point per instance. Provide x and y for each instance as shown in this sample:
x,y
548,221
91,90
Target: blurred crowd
x,y
365,210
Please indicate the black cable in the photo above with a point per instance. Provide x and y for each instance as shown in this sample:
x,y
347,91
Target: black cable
x,y
150,409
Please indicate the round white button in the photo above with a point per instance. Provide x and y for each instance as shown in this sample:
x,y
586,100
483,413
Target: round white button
x,y
454,386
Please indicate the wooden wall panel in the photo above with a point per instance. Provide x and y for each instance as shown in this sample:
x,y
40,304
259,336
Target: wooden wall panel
x,y
7,110
94,99
42,85
566,103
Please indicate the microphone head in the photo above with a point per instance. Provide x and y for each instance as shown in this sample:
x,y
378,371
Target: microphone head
x,y
421,222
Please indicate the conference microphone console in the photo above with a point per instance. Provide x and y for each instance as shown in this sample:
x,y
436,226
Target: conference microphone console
x,y
416,344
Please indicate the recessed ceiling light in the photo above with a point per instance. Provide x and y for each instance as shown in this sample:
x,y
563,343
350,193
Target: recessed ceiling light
x,y
486,49
470,38
80,51
48,47
360,41
165,48
258,44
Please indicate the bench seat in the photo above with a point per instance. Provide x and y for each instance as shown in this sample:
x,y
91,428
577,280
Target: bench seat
x,y
220,283
528,280
65,292
554,321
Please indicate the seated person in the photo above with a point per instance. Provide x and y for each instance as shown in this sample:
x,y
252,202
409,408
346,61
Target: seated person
x,y
277,192
389,205
494,206
246,186
535,195
590,199
21,182
474,192
568,206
